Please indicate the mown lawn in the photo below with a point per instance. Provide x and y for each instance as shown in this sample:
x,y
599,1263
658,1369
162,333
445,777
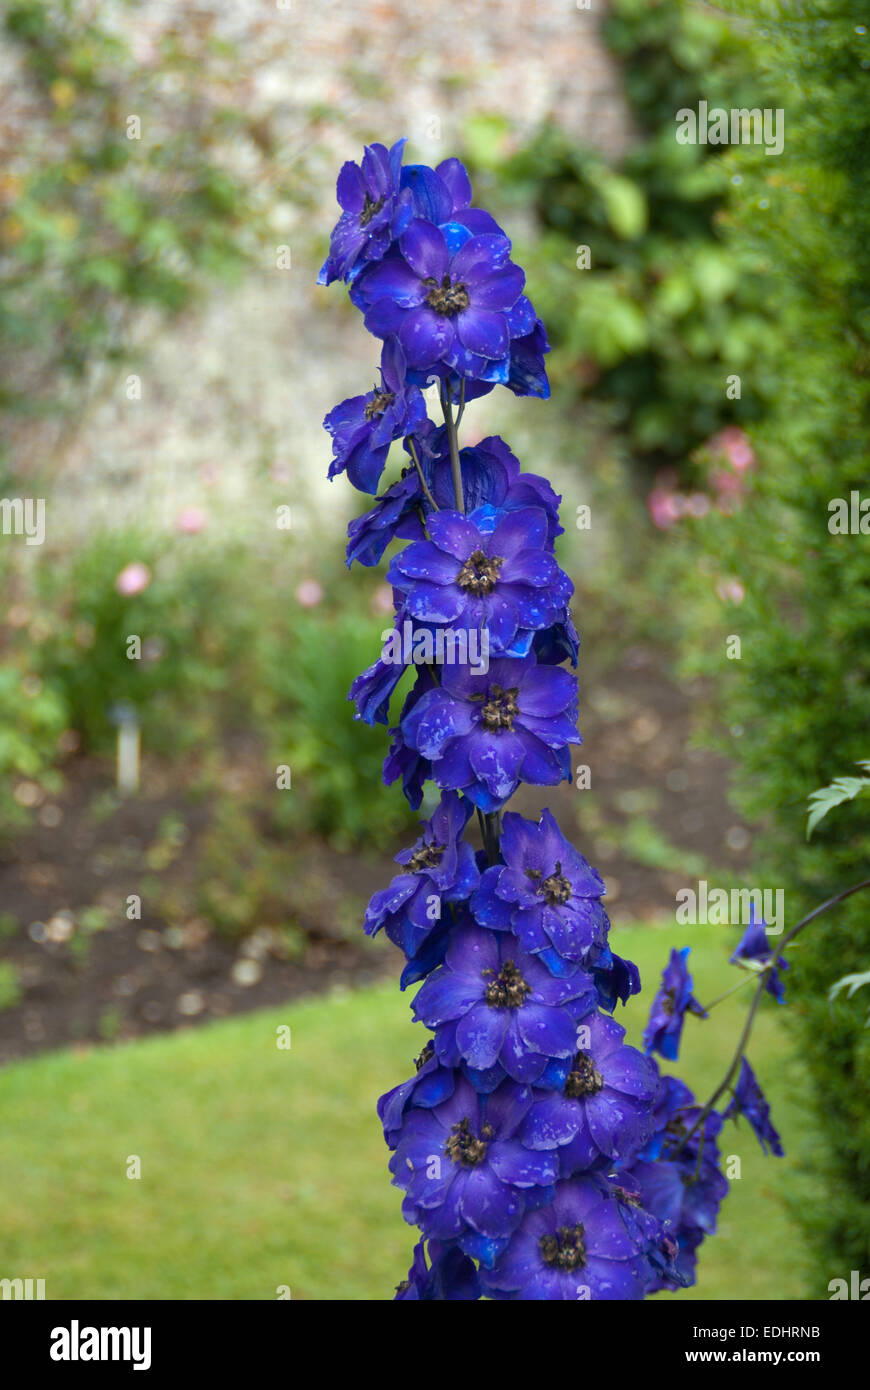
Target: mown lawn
x,y
263,1168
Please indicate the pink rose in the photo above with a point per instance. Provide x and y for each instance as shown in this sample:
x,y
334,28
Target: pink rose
x,y
664,508
309,593
190,520
735,446
133,579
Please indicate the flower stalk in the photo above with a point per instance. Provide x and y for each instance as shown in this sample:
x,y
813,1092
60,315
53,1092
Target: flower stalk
x,y
540,1156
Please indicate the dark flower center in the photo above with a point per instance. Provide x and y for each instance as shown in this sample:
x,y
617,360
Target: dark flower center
x,y
555,888
669,1000
565,1249
500,708
480,572
629,1199
508,990
369,209
426,1055
426,857
466,1148
378,403
584,1078
446,298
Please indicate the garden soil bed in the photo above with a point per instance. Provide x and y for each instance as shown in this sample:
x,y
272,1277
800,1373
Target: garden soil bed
x,y
86,974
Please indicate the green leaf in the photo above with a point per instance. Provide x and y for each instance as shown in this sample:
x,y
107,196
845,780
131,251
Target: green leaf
x,y
851,984
841,789
626,206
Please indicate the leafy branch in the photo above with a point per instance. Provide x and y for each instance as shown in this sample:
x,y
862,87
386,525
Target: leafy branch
x,y
840,790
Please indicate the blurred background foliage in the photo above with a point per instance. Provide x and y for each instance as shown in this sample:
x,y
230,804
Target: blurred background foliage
x,y
711,512
116,214
666,308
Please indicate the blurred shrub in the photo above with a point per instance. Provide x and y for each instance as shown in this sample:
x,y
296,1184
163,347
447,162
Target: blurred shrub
x,y
797,593
335,760
249,879
182,608
667,309
206,640
32,719
10,986
131,178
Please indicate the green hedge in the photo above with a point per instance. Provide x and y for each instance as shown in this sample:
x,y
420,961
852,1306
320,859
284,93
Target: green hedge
x,y
798,701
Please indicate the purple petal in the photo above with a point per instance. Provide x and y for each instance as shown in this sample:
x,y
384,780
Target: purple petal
x,y
489,1206
515,1164
479,258
496,760
548,690
483,331
394,278
548,1031
425,250
445,997
551,1122
350,188
431,196
454,175
500,289
425,336
480,1034
455,533
385,317
520,530
422,560
434,603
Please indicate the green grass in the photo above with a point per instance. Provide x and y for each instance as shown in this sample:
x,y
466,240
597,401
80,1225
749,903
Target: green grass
x,y
262,1168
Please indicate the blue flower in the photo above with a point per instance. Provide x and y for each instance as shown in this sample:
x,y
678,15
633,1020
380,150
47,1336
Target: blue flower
x,y
431,1085
439,868
364,427
405,762
532,1141
558,643
526,370
492,1005
464,1172
528,375
446,305
485,571
659,1244
616,979
452,1276
373,689
755,946
395,514
376,210
490,474
749,1100
546,892
577,1248
599,1105
484,734
674,999
443,195
686,1190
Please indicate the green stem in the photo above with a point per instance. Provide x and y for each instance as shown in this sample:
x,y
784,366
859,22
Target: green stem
x,y
756,1000
741,984
453,441
413,449
490,824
